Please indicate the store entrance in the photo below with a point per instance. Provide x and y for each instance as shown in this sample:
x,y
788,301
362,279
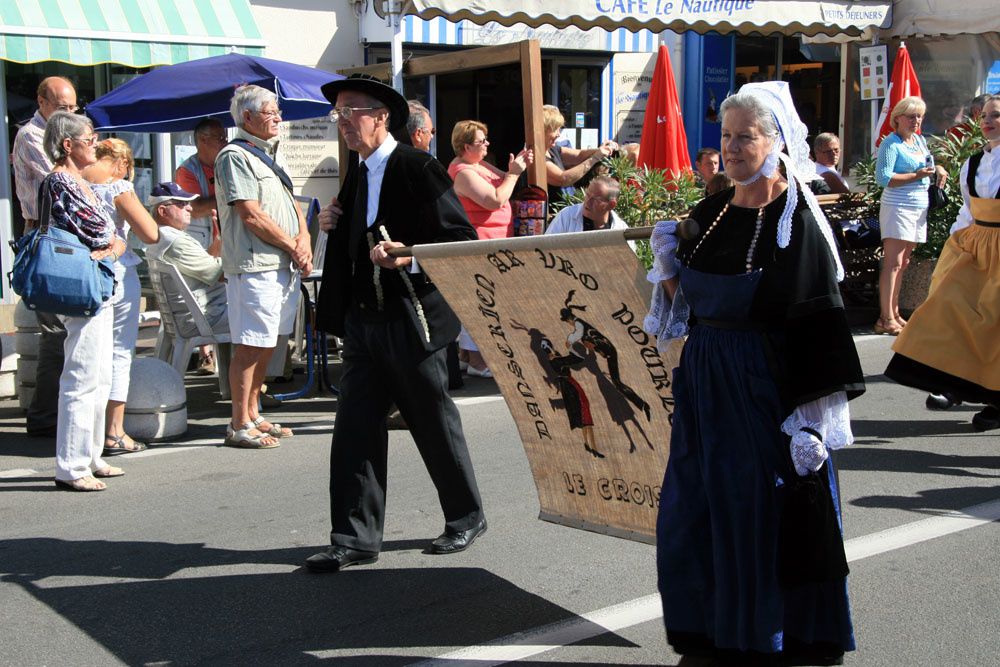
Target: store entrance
x,y
491,96
814,77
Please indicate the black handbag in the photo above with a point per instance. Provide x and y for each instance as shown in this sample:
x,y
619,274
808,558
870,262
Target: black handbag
x,y
936,197
811,545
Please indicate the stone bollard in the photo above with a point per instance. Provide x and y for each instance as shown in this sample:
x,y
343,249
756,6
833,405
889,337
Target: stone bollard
x,y
156,408
26,345
8,367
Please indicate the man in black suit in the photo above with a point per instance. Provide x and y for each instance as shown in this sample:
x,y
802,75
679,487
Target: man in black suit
x,y
395,326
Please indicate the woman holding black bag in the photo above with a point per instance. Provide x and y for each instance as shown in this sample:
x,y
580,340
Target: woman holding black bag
x,y
67,202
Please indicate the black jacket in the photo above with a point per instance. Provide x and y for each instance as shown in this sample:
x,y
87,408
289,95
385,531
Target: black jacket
x,y
417,205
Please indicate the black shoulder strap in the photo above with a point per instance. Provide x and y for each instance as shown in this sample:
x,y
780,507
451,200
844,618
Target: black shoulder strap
x,y
43,204
266,159
970,178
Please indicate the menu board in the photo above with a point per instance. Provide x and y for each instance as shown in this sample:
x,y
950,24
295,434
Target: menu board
x,y
874,78
633,77
309,153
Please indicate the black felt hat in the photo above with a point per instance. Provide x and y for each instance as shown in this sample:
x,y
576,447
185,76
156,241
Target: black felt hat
x,y
399,110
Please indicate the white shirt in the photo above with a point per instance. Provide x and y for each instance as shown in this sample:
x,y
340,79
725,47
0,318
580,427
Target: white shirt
x,y
823,169
570,220
987,184
376,172
376,163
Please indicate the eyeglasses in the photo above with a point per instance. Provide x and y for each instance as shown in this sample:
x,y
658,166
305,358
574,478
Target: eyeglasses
x,y
271,114
87,141
69,108
178,203
347,112
481,142
432,131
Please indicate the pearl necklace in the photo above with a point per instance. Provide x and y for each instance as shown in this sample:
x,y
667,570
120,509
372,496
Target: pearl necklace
x,y
753,241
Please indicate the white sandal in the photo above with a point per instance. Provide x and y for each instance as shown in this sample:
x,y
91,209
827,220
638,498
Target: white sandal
x,y
241,438
276,430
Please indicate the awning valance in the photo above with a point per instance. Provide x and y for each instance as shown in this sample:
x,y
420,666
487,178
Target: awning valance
x,y
790,17
943,17
137,33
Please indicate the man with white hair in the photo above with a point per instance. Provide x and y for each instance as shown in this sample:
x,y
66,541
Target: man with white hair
x,y
265,250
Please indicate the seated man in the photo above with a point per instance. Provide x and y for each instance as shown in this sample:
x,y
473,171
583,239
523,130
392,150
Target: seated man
x,y
170,206
596,211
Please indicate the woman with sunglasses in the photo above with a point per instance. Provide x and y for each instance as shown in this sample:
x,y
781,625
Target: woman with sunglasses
x,y
111,180
67,202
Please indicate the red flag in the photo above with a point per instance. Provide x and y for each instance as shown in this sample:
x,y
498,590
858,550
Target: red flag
x,y
664,142
904,83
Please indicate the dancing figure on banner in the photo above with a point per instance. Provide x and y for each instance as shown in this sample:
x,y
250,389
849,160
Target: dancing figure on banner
x,y
587,335
750,556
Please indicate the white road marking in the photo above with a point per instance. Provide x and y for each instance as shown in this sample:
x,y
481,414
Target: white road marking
x,y
476,400
17,472
611,619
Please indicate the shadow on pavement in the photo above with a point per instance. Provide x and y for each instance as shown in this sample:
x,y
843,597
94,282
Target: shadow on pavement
x,y
225,617
933,501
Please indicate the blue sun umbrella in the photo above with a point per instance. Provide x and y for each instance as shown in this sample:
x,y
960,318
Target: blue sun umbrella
x,y
174,98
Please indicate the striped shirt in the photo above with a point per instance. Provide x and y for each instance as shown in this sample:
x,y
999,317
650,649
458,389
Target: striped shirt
x,y
31,164
897,157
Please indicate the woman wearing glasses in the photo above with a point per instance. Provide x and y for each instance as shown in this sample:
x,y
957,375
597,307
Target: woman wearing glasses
x,y
485,194
111,180
67,202
904,168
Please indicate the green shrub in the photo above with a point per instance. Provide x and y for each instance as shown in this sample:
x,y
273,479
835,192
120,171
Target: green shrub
x,y
647,196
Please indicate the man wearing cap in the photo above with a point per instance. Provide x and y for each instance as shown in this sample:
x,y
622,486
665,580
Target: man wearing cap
x,y
265,249
395,326
171,207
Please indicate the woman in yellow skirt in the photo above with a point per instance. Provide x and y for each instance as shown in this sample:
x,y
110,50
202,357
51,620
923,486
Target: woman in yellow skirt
x,y
950,345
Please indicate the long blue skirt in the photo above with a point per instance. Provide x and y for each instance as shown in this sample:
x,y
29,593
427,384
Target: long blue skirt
x,y
720,511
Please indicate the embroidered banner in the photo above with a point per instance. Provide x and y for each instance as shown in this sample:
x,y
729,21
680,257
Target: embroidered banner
x,y
559,321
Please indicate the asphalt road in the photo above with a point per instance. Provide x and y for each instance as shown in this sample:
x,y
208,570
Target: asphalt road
x,y
194,557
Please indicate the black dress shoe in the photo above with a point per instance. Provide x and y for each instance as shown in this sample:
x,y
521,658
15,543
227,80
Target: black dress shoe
x,y
986,419
453,542
336,558
941,401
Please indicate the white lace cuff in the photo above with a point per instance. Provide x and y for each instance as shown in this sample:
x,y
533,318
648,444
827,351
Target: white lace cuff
x,y
829,416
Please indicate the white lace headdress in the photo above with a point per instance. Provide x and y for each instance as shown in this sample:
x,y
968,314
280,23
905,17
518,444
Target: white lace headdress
x,y
799,168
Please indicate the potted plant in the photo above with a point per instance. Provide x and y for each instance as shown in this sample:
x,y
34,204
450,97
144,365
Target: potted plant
x,y
647,196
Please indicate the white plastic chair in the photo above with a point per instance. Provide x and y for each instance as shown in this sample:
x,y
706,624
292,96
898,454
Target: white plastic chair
x,y
174,348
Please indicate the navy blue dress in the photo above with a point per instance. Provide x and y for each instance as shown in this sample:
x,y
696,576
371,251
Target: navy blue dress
x,y
742,371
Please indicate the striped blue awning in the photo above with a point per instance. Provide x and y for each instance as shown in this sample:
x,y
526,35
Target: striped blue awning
x,y
136,33
467,33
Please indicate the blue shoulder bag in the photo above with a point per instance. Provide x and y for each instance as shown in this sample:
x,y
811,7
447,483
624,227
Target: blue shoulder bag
x,y
54,273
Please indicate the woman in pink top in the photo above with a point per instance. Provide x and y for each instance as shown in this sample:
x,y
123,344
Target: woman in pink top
x,y
485,194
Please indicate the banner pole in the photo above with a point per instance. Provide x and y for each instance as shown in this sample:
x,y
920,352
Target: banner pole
x,y
630,234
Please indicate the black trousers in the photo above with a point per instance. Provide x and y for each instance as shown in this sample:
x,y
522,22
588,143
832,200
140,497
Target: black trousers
x,y
43,411
384,362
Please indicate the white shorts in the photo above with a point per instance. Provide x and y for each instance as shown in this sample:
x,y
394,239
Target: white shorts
x,y
906,223
262,306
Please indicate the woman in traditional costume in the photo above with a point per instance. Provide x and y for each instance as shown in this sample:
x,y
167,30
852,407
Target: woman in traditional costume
x,y
761,396
950,346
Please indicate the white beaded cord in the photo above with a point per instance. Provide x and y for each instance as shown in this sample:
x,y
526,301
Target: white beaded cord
x,y
413,294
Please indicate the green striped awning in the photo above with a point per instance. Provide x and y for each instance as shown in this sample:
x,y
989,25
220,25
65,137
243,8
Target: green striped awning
x,y
137,33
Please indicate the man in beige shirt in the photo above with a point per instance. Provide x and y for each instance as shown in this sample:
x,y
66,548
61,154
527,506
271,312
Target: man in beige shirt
x,y
265,249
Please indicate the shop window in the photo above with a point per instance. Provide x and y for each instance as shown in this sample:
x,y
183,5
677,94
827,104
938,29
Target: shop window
x,y
579,91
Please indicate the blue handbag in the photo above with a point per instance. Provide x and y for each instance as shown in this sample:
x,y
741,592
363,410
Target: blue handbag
x,y
53,271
